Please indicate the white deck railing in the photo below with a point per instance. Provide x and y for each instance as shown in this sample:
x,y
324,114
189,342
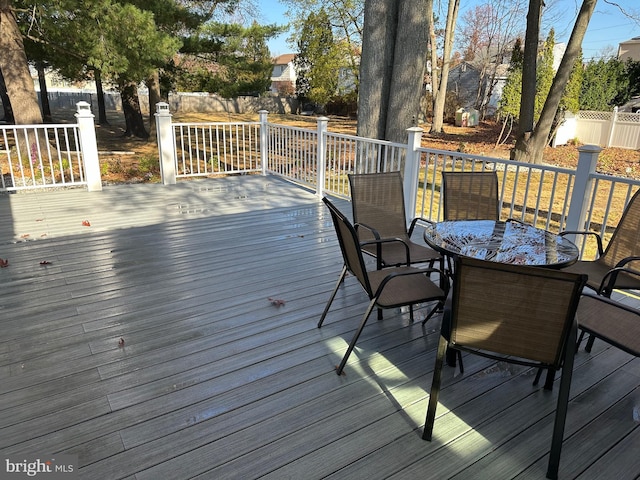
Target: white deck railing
x,y
549,197
53,155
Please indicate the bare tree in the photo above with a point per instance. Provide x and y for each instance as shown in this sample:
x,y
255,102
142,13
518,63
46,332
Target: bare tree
x,y
439,86
530,143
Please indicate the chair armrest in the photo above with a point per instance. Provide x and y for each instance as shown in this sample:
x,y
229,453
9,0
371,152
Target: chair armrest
x,y
376,235
379,241
416,220
585,232
373,231
608,282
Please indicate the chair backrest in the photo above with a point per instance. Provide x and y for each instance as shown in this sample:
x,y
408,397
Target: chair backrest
x,y
470,195
377,200
513,310
349,245
625,241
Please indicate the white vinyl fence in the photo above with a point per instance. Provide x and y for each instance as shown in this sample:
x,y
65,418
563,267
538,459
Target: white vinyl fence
x,y
606,129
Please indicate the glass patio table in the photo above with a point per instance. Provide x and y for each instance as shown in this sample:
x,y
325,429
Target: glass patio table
x,y
497,241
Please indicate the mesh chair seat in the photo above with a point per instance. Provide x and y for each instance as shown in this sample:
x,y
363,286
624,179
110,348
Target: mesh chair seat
x,y
611,321
597,271
404,289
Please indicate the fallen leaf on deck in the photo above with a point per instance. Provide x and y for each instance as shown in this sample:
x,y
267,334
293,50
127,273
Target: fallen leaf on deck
x,y
39,219
277,302
121,342
86,223
26,235
45,262
4,263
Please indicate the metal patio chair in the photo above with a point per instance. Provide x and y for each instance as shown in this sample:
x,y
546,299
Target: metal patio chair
x,y
609,270
387,288
517,314
378,206
470,195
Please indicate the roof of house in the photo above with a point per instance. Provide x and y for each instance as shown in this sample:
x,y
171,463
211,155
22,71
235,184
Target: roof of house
x,y
284,59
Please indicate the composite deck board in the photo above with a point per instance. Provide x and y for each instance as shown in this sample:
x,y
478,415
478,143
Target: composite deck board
x,y
216,381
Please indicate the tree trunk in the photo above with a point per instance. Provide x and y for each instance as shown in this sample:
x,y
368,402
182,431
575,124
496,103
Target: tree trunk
x,y
15,69
376,66
153,85
529,67
408,68
440,95
44,93
6,103
535,144
435,81
132,113
102,109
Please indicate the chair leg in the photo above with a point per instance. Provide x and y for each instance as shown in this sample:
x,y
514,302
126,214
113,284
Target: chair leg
x,y
561,409
372,303
435,389
333,295
551,376
590,341
439,306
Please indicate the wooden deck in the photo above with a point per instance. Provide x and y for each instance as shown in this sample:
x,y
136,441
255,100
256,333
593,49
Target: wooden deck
x,y
215,381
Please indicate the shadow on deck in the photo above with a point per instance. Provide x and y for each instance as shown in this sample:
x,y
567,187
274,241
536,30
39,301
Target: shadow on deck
x,y
175,337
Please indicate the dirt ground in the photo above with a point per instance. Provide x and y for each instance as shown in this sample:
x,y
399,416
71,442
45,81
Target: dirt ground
x,y
132,160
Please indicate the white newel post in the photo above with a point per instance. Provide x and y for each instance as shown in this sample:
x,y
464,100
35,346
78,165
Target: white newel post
x,y
411,171
582,187
264,141
165,144
321,155
89,146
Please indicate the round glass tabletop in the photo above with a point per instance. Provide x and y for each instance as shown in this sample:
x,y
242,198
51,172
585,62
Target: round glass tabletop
x,y
505,242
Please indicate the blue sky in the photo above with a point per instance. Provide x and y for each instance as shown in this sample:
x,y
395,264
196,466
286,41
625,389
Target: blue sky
x,y
608,26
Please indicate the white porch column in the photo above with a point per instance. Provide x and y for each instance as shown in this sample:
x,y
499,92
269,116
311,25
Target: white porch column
x,y
412,171
165,144
89,146
264,141
321,156
582,188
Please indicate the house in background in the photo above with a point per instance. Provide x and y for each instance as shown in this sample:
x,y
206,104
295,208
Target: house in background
x,y
464,81
283,76
629,50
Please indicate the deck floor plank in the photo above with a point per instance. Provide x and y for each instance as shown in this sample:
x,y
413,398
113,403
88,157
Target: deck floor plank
x,y
216,381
